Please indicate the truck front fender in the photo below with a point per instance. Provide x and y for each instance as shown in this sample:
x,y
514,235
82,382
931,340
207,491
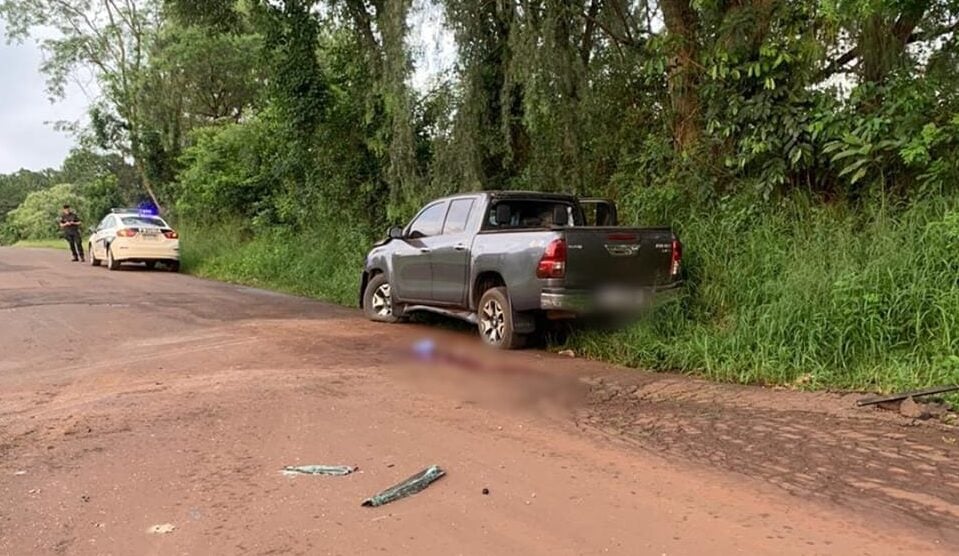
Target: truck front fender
x,y
364,280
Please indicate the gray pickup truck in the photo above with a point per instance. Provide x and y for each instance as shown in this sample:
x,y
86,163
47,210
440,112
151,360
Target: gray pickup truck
x,y
504,260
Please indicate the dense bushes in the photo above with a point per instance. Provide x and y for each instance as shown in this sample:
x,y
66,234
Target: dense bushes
x,y
36,217
313,262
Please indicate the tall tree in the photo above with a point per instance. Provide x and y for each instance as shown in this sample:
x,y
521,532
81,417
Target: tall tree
x,y
111,40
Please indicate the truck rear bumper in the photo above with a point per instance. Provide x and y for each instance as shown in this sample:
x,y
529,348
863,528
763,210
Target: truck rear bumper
x,y
611,301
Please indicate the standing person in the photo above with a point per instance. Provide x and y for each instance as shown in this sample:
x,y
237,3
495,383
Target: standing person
x,y
70,225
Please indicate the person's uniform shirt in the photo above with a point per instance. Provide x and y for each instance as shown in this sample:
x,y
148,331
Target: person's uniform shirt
x,y
69,218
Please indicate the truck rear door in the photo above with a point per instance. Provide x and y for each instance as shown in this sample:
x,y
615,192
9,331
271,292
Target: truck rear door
x,y
451,254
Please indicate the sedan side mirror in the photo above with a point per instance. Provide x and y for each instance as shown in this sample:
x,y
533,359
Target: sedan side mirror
x,y
395,232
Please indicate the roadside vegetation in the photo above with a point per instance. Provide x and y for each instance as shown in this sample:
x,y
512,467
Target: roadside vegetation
x,y
42,244
806,151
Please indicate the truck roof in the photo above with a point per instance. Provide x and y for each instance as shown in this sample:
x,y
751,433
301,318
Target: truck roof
x,y
512,194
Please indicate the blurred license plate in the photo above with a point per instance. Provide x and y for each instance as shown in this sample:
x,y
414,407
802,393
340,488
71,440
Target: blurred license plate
x,y
621,298
150,234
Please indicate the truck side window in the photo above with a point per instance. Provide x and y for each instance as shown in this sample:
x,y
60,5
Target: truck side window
x,y
429,222
458,216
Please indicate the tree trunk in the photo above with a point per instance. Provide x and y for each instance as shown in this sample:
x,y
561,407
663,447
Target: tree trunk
x,y
882,43
682,26
147,184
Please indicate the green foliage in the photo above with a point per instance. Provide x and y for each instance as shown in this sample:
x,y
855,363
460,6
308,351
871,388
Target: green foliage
x,y
109,41
219,15
299,89
84,166
231,171
321,262
97,197
43,244
36,217
95,186
15,187
823,295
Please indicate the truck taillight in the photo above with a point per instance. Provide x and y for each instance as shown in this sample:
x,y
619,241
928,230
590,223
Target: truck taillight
x,y
553,262
677,257
170,234
126,232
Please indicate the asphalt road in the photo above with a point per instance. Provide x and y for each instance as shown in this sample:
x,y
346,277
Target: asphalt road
x,y
132,399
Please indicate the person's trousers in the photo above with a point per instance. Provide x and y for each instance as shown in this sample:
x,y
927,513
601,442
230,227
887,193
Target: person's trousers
x,y
76,245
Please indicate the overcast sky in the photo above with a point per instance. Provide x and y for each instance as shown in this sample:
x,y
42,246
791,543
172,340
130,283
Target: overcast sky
x,y
27,137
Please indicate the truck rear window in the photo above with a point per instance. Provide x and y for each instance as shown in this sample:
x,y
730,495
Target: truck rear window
x,y
531,214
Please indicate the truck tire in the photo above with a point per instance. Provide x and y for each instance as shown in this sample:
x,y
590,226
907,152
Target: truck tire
x,y
378,300
495,320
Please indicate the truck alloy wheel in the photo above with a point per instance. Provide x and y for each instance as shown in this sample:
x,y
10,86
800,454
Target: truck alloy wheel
x,y
495,320
378,300
382,302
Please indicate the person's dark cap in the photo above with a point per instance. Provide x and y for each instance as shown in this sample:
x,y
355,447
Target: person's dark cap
x,y
66,206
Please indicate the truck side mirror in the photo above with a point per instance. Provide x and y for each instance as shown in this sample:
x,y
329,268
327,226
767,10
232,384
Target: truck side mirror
x,y
395,232
560,215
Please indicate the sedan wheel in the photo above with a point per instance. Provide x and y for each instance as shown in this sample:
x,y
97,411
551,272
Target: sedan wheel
x,y
94,261
112,263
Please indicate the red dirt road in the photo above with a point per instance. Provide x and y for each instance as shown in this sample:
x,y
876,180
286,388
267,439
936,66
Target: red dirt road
x,y
130,399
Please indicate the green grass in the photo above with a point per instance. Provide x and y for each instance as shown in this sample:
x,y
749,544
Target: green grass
x,y
43,243
796,294
315,264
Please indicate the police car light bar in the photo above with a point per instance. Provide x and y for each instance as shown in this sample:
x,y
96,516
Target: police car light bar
x,y
141,211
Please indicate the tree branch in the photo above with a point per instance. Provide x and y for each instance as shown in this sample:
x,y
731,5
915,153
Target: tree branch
x,y
913,37
586,46
619,39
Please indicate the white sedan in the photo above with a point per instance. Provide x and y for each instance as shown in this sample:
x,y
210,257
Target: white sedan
x,y
134,237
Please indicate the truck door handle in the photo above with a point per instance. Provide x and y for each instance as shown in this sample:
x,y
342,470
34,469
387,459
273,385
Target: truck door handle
x,y
460,247
424,250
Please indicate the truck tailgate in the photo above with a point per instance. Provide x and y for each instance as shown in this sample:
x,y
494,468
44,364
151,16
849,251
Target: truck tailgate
x,y
618,257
